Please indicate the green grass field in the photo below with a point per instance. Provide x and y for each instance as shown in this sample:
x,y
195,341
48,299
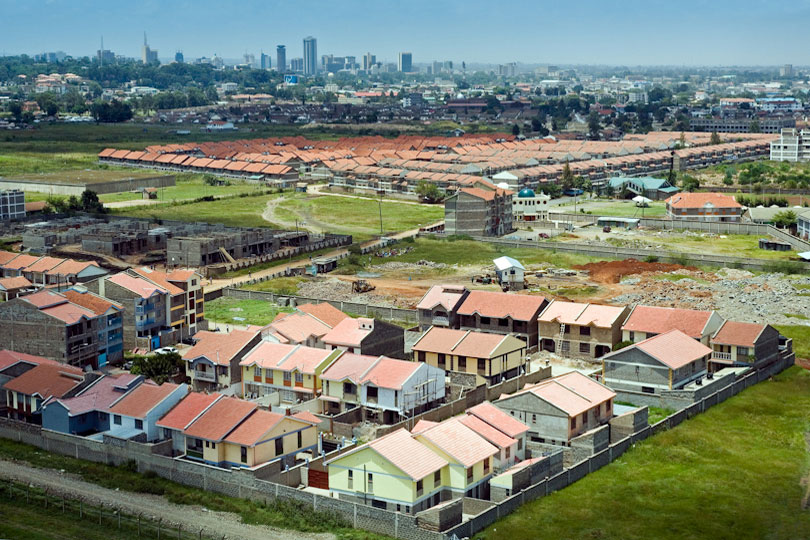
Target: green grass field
x,y
258,312
615,208
733,472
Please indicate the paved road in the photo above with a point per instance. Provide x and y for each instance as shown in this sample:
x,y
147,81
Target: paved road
x,y
191,518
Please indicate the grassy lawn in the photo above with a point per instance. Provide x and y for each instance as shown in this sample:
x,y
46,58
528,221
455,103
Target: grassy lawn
x,y
360,216
616,208
281,513
258,312
15,163
735,245
731,472
796,316
284,285
800,335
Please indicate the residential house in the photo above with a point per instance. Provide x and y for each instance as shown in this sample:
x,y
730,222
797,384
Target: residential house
x,y
145,324
744,344
502,313
439,306
487,357
87,413
267,436
292,371
469,456
110,323
205,434
44,271
704,207
506,424
367,336
655,189
182,415
47,324
510,273
667,361
13,287
26,393
394,472
307,326
212,364
136,413
12,365
648,321
561,408
387,389
185,310
583,331
484,210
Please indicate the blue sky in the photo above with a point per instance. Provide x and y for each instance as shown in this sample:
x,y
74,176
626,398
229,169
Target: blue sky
x,y
629,32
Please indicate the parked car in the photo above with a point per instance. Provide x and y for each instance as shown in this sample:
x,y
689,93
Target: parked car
x,y
165,350
573,192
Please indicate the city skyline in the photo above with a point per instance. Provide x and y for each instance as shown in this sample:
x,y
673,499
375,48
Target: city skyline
x,y
694,33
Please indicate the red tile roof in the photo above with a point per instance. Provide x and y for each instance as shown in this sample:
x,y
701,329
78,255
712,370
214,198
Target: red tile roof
x,y
88,300
673,349
220,419
137,285
218,347
446,296
520,307
187,410
657,320
9,358
461,342
349,332
579,314
495,417
459,442
158,278
741,334
19,282
701,200
251,431
143,399
494,436
46,380
324,312
6,257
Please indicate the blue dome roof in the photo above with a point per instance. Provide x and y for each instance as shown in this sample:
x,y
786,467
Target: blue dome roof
x,y
526,193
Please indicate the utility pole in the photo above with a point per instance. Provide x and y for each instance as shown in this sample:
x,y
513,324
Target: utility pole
x,y
379,203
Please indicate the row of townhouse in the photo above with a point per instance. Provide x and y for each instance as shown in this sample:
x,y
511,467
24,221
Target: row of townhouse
x,y
576,330
435,462
48,271
211,428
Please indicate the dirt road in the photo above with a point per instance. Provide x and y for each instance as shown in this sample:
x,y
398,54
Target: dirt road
x,y
191,518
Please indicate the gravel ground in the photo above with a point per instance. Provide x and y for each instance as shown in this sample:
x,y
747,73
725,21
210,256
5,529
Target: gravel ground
x,y
192,518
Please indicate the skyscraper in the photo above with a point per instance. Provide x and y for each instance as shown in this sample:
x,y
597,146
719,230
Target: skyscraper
x,y
179,58
148,55
368,61
264,61
281,58
405,62
310,55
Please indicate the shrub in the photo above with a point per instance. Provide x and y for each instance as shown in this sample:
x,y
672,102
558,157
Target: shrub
x,y
651,259
622,344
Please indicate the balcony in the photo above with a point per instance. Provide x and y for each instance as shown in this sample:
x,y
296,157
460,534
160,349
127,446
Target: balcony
x,y
208,376
721,356
440,321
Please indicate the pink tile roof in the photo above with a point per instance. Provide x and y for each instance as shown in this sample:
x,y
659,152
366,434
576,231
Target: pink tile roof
x,y
143,399
700,200
407,454
43,299
6,257
446,296
187,410
9,358
218,347
499,305
657,320
250,432
21,261
673,349
572,393
286,357
459,342
741,334
71,267
298,327
349,366
99,395
44,264
47,380
158,278
494,436
495,417
306,416
68,313
422,425
136,285
348,332
12,283
390,373
324,312
459,442
220,419
576,313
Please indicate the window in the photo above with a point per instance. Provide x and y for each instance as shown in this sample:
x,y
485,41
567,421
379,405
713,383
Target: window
x,y
348,388
419,488
243,455
207,444
484,320
370,483
567,330
574,423
213,445
350,481
300,439
503,322
648,389
299,378
257,371
584,347
584,330
482,364
534,419
632,336
117,419
486,466
584,417
520,444
441,359
138,424
437,478
742,353
287,377
421,356
462,363
469,474
279,446
508,451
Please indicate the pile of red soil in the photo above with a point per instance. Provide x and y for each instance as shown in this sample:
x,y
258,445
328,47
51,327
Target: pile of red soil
x,y
613,271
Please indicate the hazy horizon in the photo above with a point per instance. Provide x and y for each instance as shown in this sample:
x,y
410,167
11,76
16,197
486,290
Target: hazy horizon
x,y
652,33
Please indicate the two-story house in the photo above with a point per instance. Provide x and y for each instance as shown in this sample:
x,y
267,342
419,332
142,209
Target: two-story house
x,y
488,357
267,436
292,371
26,393
744,344
439,306
185,309
212,364
561,408
704,207
135,414
502,313
367,336
648,321
173,424
388,389
667,361
509,426
205,434
307,326
110,323
584,331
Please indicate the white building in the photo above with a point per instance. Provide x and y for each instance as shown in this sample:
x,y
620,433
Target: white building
x,y
792,145
510,272
803,225
529,206
12,204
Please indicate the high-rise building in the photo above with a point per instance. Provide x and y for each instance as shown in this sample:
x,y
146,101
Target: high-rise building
x,y
368,61
264,61
147,54
105,57
786,70
437,67
296,65
405,62
281,58
310,56
179,58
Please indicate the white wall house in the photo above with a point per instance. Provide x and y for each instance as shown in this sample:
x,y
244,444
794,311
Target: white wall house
x,y
139,411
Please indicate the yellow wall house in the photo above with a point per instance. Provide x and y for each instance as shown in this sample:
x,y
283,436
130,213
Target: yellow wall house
x,y
266,436
470,457
204,436
395,472
291,370
491,357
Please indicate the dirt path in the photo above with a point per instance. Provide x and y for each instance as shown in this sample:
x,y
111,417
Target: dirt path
x,y
191,518
318,189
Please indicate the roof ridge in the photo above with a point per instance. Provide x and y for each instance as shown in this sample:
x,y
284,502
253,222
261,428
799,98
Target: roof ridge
x,y
286,356
462,338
